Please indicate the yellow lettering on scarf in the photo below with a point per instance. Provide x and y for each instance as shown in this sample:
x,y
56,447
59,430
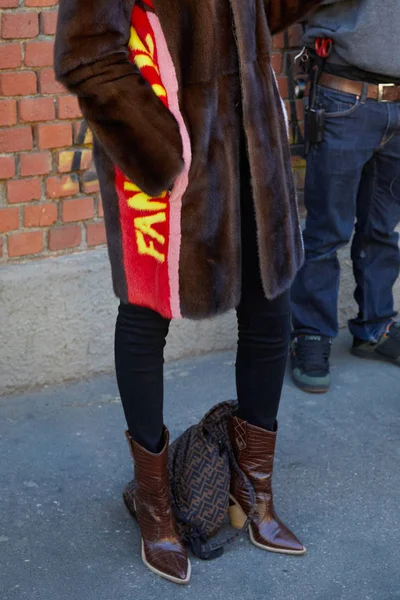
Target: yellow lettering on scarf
x,y
146,234
159,90
150,45
144,227
145,58
143,202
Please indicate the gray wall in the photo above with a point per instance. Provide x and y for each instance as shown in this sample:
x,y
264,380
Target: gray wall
x,y
57,318
57,321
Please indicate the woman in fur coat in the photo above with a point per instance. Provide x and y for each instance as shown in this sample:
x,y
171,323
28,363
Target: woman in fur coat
x,y
194,165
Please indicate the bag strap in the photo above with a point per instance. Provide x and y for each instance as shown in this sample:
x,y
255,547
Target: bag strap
x,y
212,547
209,550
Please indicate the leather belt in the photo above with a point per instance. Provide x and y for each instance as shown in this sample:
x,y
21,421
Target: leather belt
x,y
384,92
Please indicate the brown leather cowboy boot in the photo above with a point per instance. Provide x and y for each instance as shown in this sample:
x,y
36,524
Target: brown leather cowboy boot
x,y
254,450
163,552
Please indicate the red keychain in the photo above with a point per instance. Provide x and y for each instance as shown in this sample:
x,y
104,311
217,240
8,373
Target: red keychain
x,y
323,47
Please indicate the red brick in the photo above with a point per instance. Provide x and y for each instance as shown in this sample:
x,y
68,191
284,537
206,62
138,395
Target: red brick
x,y
18,83
295,36
8,112
100,210
41,215
16,139
40,2
78,159
23,190
39,54
91,186
95,233
54,136
37,109
283,86
58,187
90,181
7,167
300,110
19,25
278,41
61,238
35,163
9,219
49,22
9,3
48,83
23,244
68,108
277,62
78,209
10,56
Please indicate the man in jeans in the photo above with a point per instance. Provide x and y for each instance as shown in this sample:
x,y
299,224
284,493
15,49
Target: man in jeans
x,y
353,175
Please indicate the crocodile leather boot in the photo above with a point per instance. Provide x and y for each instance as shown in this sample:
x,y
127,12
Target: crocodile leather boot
x,y
254,450
163,552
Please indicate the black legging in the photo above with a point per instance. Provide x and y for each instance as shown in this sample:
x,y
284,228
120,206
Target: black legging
x,y
264,330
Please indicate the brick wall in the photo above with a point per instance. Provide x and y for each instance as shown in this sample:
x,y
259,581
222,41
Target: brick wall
x,y
49,200
49,194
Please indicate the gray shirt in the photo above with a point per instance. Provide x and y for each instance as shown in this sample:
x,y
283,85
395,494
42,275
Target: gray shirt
x,y
366,33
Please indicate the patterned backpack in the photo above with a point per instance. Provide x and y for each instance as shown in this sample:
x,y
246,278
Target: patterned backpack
x,y
200,463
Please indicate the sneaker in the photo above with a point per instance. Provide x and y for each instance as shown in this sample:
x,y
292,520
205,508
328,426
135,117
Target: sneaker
x,y
386,349
310,363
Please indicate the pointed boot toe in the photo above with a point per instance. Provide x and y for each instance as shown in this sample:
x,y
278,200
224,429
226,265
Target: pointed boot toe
x,y
167,561
274,536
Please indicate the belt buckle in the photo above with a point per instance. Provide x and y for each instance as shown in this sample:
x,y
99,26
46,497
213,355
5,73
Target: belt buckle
x,y
381,89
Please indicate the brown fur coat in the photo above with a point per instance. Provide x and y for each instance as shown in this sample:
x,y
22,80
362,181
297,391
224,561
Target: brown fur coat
x,y
167,87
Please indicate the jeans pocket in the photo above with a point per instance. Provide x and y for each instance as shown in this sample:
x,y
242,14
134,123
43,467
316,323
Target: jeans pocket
x,y
336,103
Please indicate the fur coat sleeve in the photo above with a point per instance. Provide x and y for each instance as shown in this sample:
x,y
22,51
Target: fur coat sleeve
x,y
138,132
283,13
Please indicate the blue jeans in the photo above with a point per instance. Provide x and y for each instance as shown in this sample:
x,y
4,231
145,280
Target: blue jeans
x,y
352,186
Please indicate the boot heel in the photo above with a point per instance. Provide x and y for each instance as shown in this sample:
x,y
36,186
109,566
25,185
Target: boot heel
x,y
236,514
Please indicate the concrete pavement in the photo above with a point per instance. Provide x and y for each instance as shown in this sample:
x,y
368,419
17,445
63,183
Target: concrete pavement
x,y
65,533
